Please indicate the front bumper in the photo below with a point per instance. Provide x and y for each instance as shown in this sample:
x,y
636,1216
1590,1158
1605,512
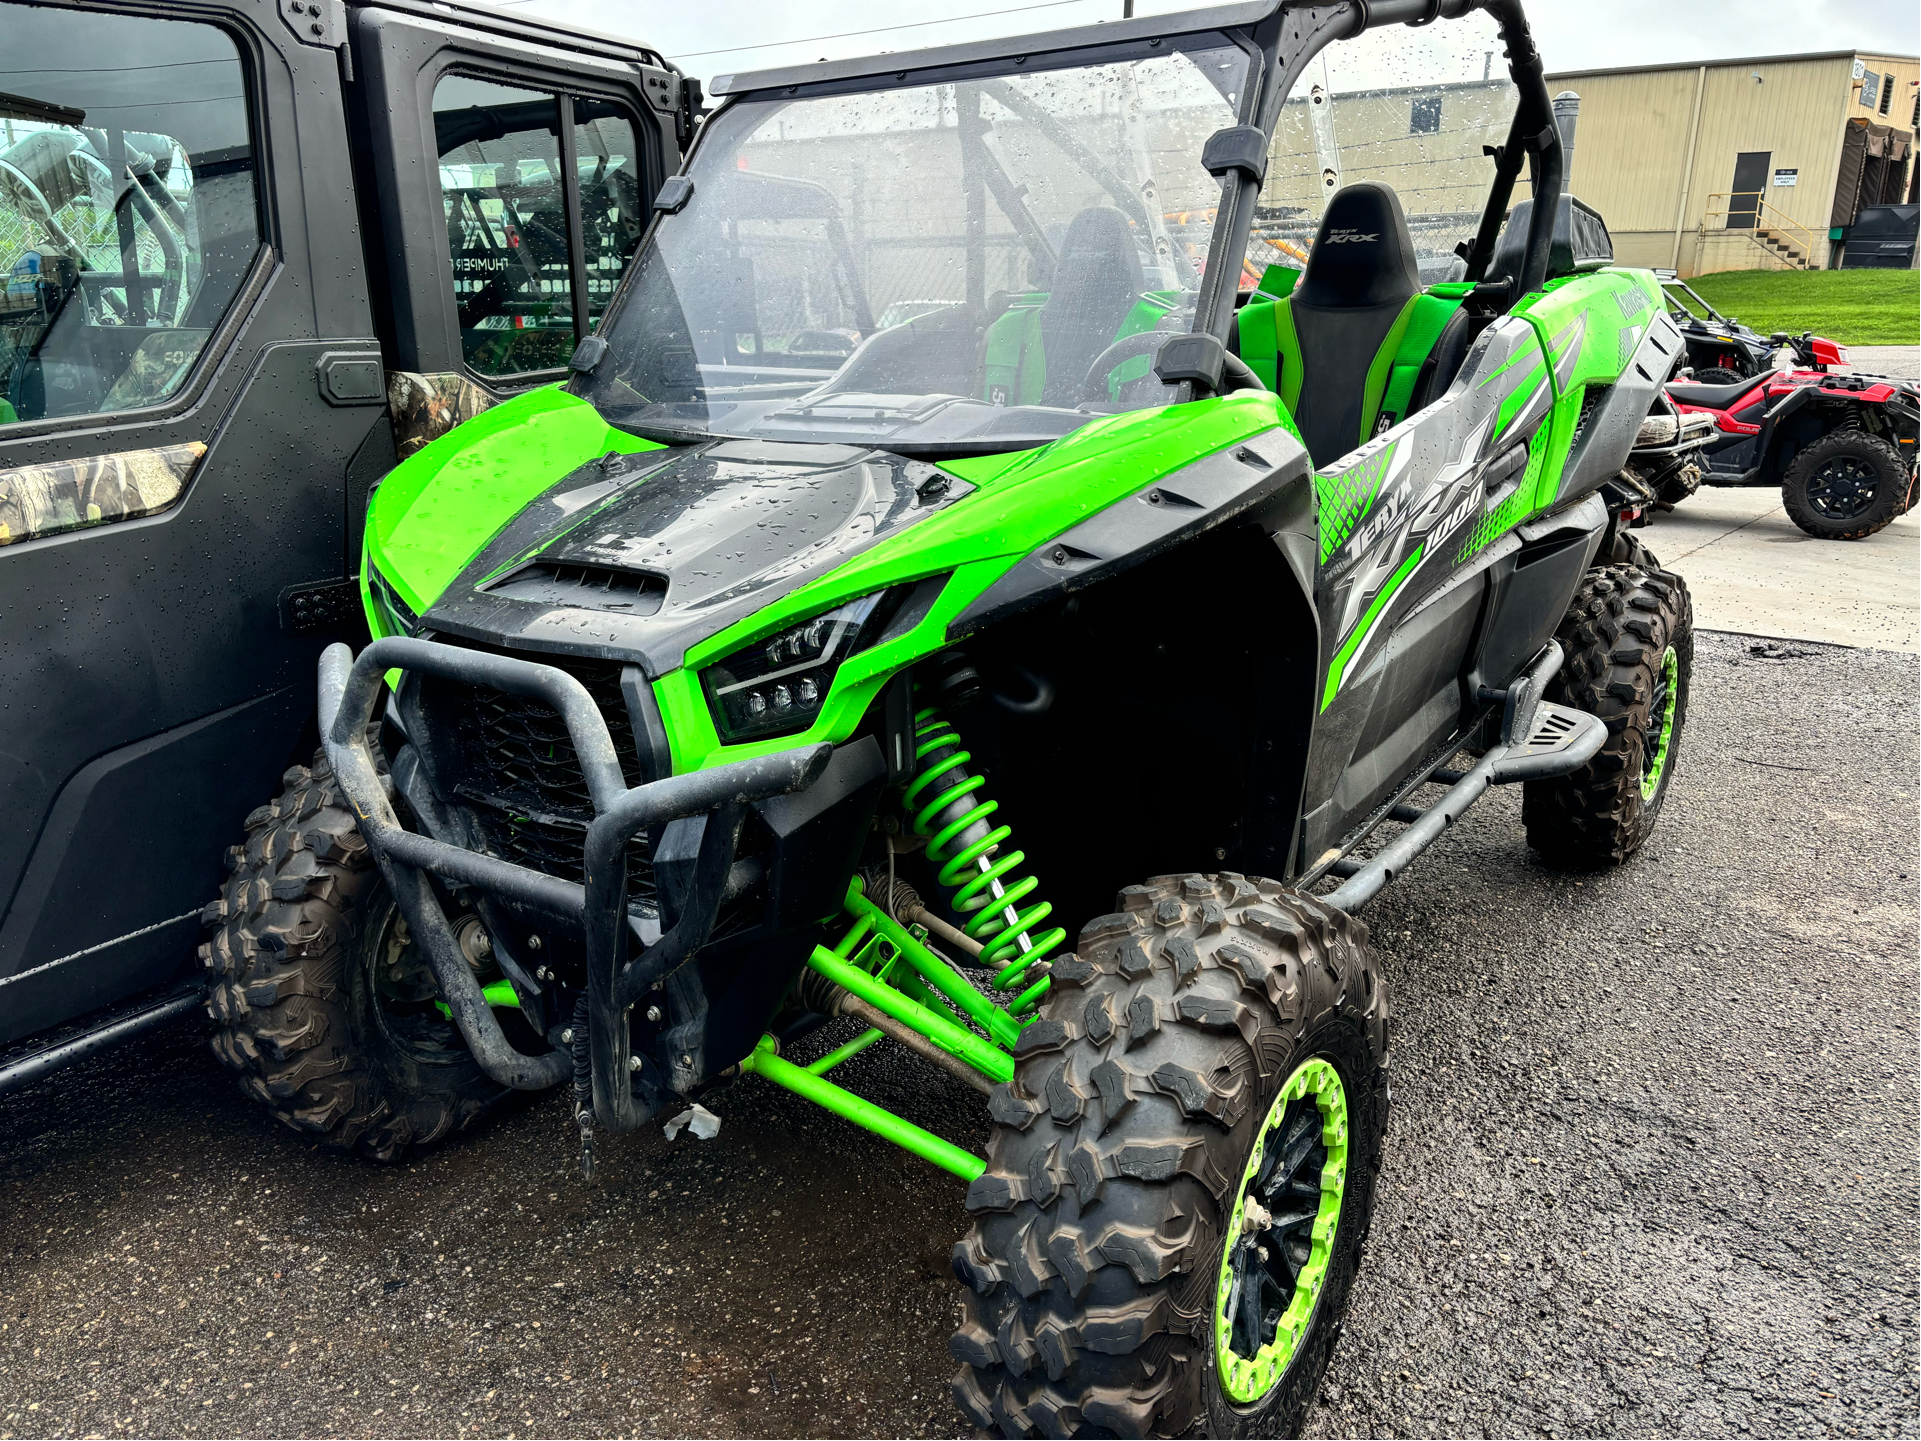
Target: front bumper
x,y
351,690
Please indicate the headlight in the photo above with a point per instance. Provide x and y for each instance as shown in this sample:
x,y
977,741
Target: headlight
x,y
777,686
390,610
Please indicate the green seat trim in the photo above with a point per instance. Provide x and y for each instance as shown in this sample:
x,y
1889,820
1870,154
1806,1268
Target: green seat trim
x,y
1256,326
1014,365
1431,315
1383,362
1287,343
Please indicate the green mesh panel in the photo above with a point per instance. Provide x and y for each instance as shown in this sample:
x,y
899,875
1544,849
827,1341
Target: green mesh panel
x,y
1346,497
1512,511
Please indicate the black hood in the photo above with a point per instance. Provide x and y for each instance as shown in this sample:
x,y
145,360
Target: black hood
x,y
638,557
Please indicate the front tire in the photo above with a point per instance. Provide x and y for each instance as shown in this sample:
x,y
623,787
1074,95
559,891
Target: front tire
x,y
1211,1014
324,1006
1717,375
1628,639
1845,486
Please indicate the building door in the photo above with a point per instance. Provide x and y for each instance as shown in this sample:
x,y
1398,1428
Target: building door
x,y
1750,183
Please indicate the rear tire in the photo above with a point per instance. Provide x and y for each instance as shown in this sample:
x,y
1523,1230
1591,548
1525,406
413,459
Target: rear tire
x,y
1628,640
1716,375
1096,1262
1845,486
324,1008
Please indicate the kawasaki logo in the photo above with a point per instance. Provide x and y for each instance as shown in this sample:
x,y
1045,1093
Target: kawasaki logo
x,y
1349,237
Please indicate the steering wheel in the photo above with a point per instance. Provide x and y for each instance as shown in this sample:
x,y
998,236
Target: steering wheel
x,y
1236,374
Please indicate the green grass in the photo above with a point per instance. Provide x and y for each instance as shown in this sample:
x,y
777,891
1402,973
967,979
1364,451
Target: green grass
x,y
1855,307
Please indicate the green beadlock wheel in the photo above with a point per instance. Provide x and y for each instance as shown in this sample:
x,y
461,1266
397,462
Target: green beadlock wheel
x,y
1661,707
1280,1233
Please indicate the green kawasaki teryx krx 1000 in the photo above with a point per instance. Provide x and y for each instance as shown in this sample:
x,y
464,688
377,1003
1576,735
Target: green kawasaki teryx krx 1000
x,y
940,472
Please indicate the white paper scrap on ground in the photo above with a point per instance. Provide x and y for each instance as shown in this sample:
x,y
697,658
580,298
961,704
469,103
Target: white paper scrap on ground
x,y
701,1122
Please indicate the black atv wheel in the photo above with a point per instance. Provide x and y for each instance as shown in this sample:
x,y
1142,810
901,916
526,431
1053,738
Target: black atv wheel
x,y
1845,486
1181,1173
325,1007
1628,639
1716,375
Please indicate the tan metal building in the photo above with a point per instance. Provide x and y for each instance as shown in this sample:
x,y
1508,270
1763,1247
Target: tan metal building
x,y
1743,164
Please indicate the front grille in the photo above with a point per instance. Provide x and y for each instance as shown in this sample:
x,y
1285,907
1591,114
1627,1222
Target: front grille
x,y
521,778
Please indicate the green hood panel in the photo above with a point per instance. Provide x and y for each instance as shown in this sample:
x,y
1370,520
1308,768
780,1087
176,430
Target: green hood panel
x,y
438,508
436,513
1023,500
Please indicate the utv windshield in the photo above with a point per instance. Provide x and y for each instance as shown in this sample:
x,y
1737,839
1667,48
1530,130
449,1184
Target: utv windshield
x,y
1412,108
976,265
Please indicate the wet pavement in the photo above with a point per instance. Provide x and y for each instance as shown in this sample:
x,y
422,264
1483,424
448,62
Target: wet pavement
x,y
1652,1171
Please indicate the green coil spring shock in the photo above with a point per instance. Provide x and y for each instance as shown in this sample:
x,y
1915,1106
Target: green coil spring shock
x,y
967,850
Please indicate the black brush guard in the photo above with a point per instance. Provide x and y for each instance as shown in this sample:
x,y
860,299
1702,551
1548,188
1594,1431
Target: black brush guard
x,y
350,692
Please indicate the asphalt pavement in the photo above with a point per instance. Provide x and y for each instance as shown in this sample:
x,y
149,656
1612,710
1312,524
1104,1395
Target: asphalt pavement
x,y
1652,1171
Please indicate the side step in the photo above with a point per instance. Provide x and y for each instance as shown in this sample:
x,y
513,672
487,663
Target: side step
x,y
1539,739
65,1045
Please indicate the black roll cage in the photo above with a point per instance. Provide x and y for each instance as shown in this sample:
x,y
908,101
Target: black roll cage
x,y
1283,37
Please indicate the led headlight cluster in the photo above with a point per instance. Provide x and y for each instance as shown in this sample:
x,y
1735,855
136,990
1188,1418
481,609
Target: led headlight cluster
x,y
390,610
777,686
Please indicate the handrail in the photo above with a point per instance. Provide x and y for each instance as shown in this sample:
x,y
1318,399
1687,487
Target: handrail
x,y
1766,217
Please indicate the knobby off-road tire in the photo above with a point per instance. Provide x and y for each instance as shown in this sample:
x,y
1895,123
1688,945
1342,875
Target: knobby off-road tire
x,y
1716,375
1629,643
1864,460
323,1008
1094,1264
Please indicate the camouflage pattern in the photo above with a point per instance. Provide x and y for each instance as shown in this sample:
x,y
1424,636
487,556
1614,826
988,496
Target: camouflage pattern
x,y
427,406
155,370
38,500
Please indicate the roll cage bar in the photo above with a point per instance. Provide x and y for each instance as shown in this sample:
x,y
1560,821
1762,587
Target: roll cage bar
x,y
1284,36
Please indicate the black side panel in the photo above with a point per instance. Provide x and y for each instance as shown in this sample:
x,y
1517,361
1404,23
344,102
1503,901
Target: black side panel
x,y
1531,593
818,834
1413,698
120,820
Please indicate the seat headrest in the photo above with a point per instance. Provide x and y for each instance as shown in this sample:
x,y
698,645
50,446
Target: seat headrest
x,y
1100,232
1363,254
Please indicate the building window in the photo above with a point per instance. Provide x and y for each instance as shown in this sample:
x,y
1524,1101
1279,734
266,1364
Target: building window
x,y
1426,119
1887,94
1870,90
1915,123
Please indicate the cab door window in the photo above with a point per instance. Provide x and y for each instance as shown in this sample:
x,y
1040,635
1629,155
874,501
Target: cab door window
x,y
613,215
523,292
500,186
128,212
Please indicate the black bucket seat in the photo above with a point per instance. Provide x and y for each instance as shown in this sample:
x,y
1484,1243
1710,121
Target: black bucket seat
x,y
1097,282
1359,278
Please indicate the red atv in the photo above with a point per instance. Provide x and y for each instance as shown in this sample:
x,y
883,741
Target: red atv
x,y
1841,447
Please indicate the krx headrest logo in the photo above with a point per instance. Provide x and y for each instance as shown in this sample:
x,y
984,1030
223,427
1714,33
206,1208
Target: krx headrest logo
x,y
1351,237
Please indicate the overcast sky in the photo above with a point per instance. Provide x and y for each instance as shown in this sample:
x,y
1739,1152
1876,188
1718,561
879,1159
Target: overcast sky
x,y
708,37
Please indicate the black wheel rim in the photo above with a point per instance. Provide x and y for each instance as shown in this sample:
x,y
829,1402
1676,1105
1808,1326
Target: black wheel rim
x,y
1277,1254
405,996
1843,488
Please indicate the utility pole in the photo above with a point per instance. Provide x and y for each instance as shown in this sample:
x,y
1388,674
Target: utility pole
x,y
1127,9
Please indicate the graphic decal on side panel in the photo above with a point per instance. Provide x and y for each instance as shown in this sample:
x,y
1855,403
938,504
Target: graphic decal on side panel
x,y
1567,351
1392,508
